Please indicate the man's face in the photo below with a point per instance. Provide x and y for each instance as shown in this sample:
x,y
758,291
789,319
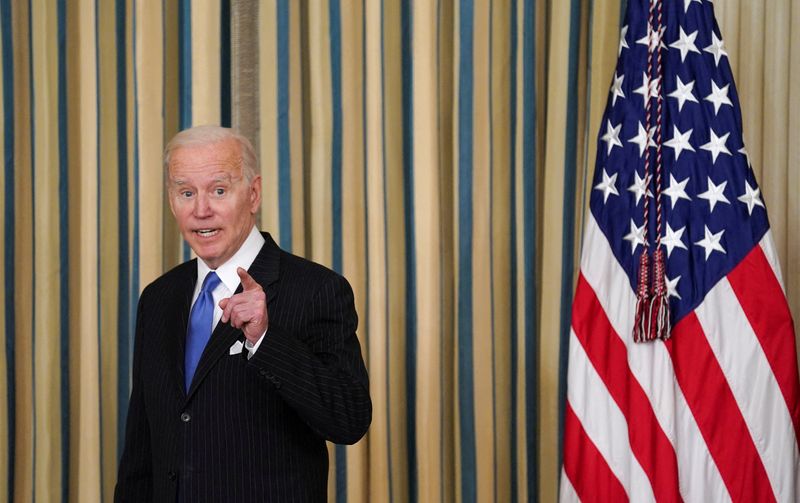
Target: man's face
x,y
211,199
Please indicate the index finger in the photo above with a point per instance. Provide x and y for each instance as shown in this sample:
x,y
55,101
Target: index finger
x,y
248,283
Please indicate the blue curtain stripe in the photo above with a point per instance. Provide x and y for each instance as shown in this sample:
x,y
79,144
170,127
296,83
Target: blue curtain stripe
x,y
63,222
284,136
514,36
407,34
465,202
123,289
98,236
9,234
568,211
335,38
529,243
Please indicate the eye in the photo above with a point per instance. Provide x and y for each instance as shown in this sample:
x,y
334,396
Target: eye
x,y
219,191
186,194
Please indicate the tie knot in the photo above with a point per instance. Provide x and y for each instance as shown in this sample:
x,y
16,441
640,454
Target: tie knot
x,y
210,282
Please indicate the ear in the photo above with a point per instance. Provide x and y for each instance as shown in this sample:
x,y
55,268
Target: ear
x,y
255,194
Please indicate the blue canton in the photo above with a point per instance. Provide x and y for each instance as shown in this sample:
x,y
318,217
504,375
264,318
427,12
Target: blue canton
x,y
712,207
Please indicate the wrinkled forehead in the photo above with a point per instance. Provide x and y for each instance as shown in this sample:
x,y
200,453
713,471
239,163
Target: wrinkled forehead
x,y
220,157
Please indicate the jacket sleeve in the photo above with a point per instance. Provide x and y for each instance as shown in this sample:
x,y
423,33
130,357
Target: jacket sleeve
x,y
135,477
320,371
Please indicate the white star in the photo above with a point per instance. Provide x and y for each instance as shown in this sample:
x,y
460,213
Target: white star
x,y
648,89
715,194
718,96
616,89
608,185
673,239
716,145
672,287
642,139
623,43
746,155
653,38
639,187
687,2
676,190
751,197
635,236
652,142
717,48
612,136
711,242
685,44
679,141
683,93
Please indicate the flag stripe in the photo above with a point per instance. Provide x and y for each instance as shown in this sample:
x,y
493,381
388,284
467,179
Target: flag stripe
x,y
585,467
714,407
768,313
752,383
652,367
607,353
605,424
566,493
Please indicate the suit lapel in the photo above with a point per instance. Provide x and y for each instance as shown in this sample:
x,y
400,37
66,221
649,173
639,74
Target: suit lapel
x,y
264,270
177,321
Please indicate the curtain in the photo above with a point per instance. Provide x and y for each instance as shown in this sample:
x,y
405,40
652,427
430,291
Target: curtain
x,y
437,153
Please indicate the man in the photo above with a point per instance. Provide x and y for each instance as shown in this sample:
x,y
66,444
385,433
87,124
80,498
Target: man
x,y
241,413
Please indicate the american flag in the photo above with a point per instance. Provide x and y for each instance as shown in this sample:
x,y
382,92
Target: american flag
x,y
711,413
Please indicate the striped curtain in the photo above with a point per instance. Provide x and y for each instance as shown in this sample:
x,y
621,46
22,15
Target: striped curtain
x,y
434,152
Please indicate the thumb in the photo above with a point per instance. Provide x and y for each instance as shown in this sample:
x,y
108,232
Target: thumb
x,y
223,303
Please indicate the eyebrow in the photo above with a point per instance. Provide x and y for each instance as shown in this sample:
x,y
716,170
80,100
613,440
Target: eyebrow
x,y
219,178
223,178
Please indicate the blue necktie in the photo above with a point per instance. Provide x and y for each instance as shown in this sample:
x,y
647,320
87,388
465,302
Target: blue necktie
x,y
200,322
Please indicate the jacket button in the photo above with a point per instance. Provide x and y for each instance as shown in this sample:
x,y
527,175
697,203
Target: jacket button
x,y
172,475
185,417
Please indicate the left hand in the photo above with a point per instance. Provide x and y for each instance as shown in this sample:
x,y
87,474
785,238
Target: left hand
x,y
247,310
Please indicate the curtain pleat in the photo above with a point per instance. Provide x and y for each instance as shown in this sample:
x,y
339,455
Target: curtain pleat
x,y
436,153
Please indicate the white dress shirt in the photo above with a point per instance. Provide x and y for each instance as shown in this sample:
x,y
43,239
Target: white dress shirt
x,y
229,279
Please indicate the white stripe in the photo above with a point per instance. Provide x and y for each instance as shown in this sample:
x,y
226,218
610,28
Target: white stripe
x,y
753,384
566,493
604,422
651,366
768,246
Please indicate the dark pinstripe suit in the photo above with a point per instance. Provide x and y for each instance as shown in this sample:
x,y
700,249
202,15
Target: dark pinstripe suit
x,y
247,430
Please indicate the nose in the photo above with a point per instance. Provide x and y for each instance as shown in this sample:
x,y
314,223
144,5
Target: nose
x,y
202,206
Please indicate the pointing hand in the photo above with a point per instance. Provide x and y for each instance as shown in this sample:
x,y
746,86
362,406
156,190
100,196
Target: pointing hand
x,y
247,310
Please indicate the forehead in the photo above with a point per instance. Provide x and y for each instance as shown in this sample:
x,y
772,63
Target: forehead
x,y
214,158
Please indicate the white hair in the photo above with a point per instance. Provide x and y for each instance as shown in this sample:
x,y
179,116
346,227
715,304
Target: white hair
x,y
207,135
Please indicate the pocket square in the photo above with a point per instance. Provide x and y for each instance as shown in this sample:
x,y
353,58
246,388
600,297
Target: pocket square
x,y
236,348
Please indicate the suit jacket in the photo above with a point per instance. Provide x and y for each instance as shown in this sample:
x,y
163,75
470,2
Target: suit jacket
x,y
247,430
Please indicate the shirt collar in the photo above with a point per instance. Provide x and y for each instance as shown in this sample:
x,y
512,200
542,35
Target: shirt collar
x,y
243,258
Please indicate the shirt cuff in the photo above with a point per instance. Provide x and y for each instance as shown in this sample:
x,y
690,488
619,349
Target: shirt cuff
x,y
252,348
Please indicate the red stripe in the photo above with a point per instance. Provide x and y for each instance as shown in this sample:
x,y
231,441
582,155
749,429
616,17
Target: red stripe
x,y
587,469
609,356
765,306
717,414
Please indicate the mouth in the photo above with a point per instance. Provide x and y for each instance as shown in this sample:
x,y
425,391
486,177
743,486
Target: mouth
x,y
206,233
